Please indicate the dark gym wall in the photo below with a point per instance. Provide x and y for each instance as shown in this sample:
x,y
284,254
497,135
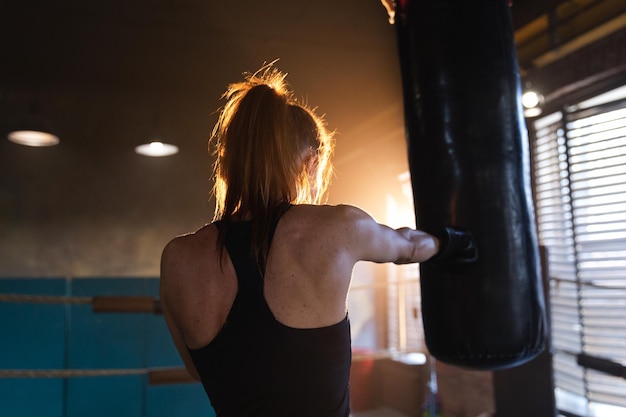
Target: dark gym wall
x,y
108,75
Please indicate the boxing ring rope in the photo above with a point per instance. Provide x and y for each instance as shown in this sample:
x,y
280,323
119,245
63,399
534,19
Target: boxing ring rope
x,y
160,376
140,304
43,299
68,373
156,376
99,304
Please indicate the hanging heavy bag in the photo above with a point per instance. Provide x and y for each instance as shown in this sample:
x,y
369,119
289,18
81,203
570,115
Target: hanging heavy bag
x,y
482,298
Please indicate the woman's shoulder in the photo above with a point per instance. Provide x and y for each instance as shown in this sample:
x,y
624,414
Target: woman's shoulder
x,y
184,248
342,218
335,213
334,216
206,232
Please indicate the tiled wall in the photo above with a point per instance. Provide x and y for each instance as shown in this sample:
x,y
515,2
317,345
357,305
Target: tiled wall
x,y
59,336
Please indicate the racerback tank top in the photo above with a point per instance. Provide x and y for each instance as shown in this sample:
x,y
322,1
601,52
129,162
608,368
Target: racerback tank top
x,y
258,367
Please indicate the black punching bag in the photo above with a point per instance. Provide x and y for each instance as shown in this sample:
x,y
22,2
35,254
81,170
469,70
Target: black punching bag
x,y
469,163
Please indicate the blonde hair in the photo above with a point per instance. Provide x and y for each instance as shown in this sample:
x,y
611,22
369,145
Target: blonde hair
x,y
271,151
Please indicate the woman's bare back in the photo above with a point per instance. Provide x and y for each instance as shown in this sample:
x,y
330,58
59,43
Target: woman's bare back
x,y
306,281
308,270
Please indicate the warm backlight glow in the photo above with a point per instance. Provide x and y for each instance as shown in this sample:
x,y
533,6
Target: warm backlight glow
x,y
33,138
156,149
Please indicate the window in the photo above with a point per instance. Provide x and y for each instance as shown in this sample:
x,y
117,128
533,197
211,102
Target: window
x,y
404,318
579,167
385,299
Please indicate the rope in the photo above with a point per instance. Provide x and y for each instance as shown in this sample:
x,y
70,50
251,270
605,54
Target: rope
x,y
67,373
157,375
44,299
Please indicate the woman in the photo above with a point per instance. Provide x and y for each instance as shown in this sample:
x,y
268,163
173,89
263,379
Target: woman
x,y
256,301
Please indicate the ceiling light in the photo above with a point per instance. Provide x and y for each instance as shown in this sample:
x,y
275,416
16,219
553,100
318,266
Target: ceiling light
x,y
34,130
532,102
531,99
33,138
156,148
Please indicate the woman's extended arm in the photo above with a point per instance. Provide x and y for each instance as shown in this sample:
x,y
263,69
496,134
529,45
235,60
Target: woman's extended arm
x,y
372,241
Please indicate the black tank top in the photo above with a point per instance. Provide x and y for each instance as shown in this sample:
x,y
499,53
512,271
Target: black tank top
x,y
258,367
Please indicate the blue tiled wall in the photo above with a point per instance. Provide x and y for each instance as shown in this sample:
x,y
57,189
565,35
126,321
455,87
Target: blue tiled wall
x,y
58,336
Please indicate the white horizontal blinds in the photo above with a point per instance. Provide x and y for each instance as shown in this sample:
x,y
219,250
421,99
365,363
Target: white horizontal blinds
x,y
604,333
555,228
566,338
597,145
552,197
579,164
597,157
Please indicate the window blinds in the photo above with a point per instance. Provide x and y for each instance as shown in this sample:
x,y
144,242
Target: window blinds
x,y
579,178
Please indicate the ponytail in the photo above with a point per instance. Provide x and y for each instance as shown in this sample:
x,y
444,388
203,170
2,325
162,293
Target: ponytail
x,y
271,151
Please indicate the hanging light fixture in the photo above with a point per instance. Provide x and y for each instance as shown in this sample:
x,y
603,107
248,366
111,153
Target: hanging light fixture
x,y
532,102
34,130
156,147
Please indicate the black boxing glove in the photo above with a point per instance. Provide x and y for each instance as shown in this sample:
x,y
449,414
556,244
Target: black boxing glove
x,y
456,246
